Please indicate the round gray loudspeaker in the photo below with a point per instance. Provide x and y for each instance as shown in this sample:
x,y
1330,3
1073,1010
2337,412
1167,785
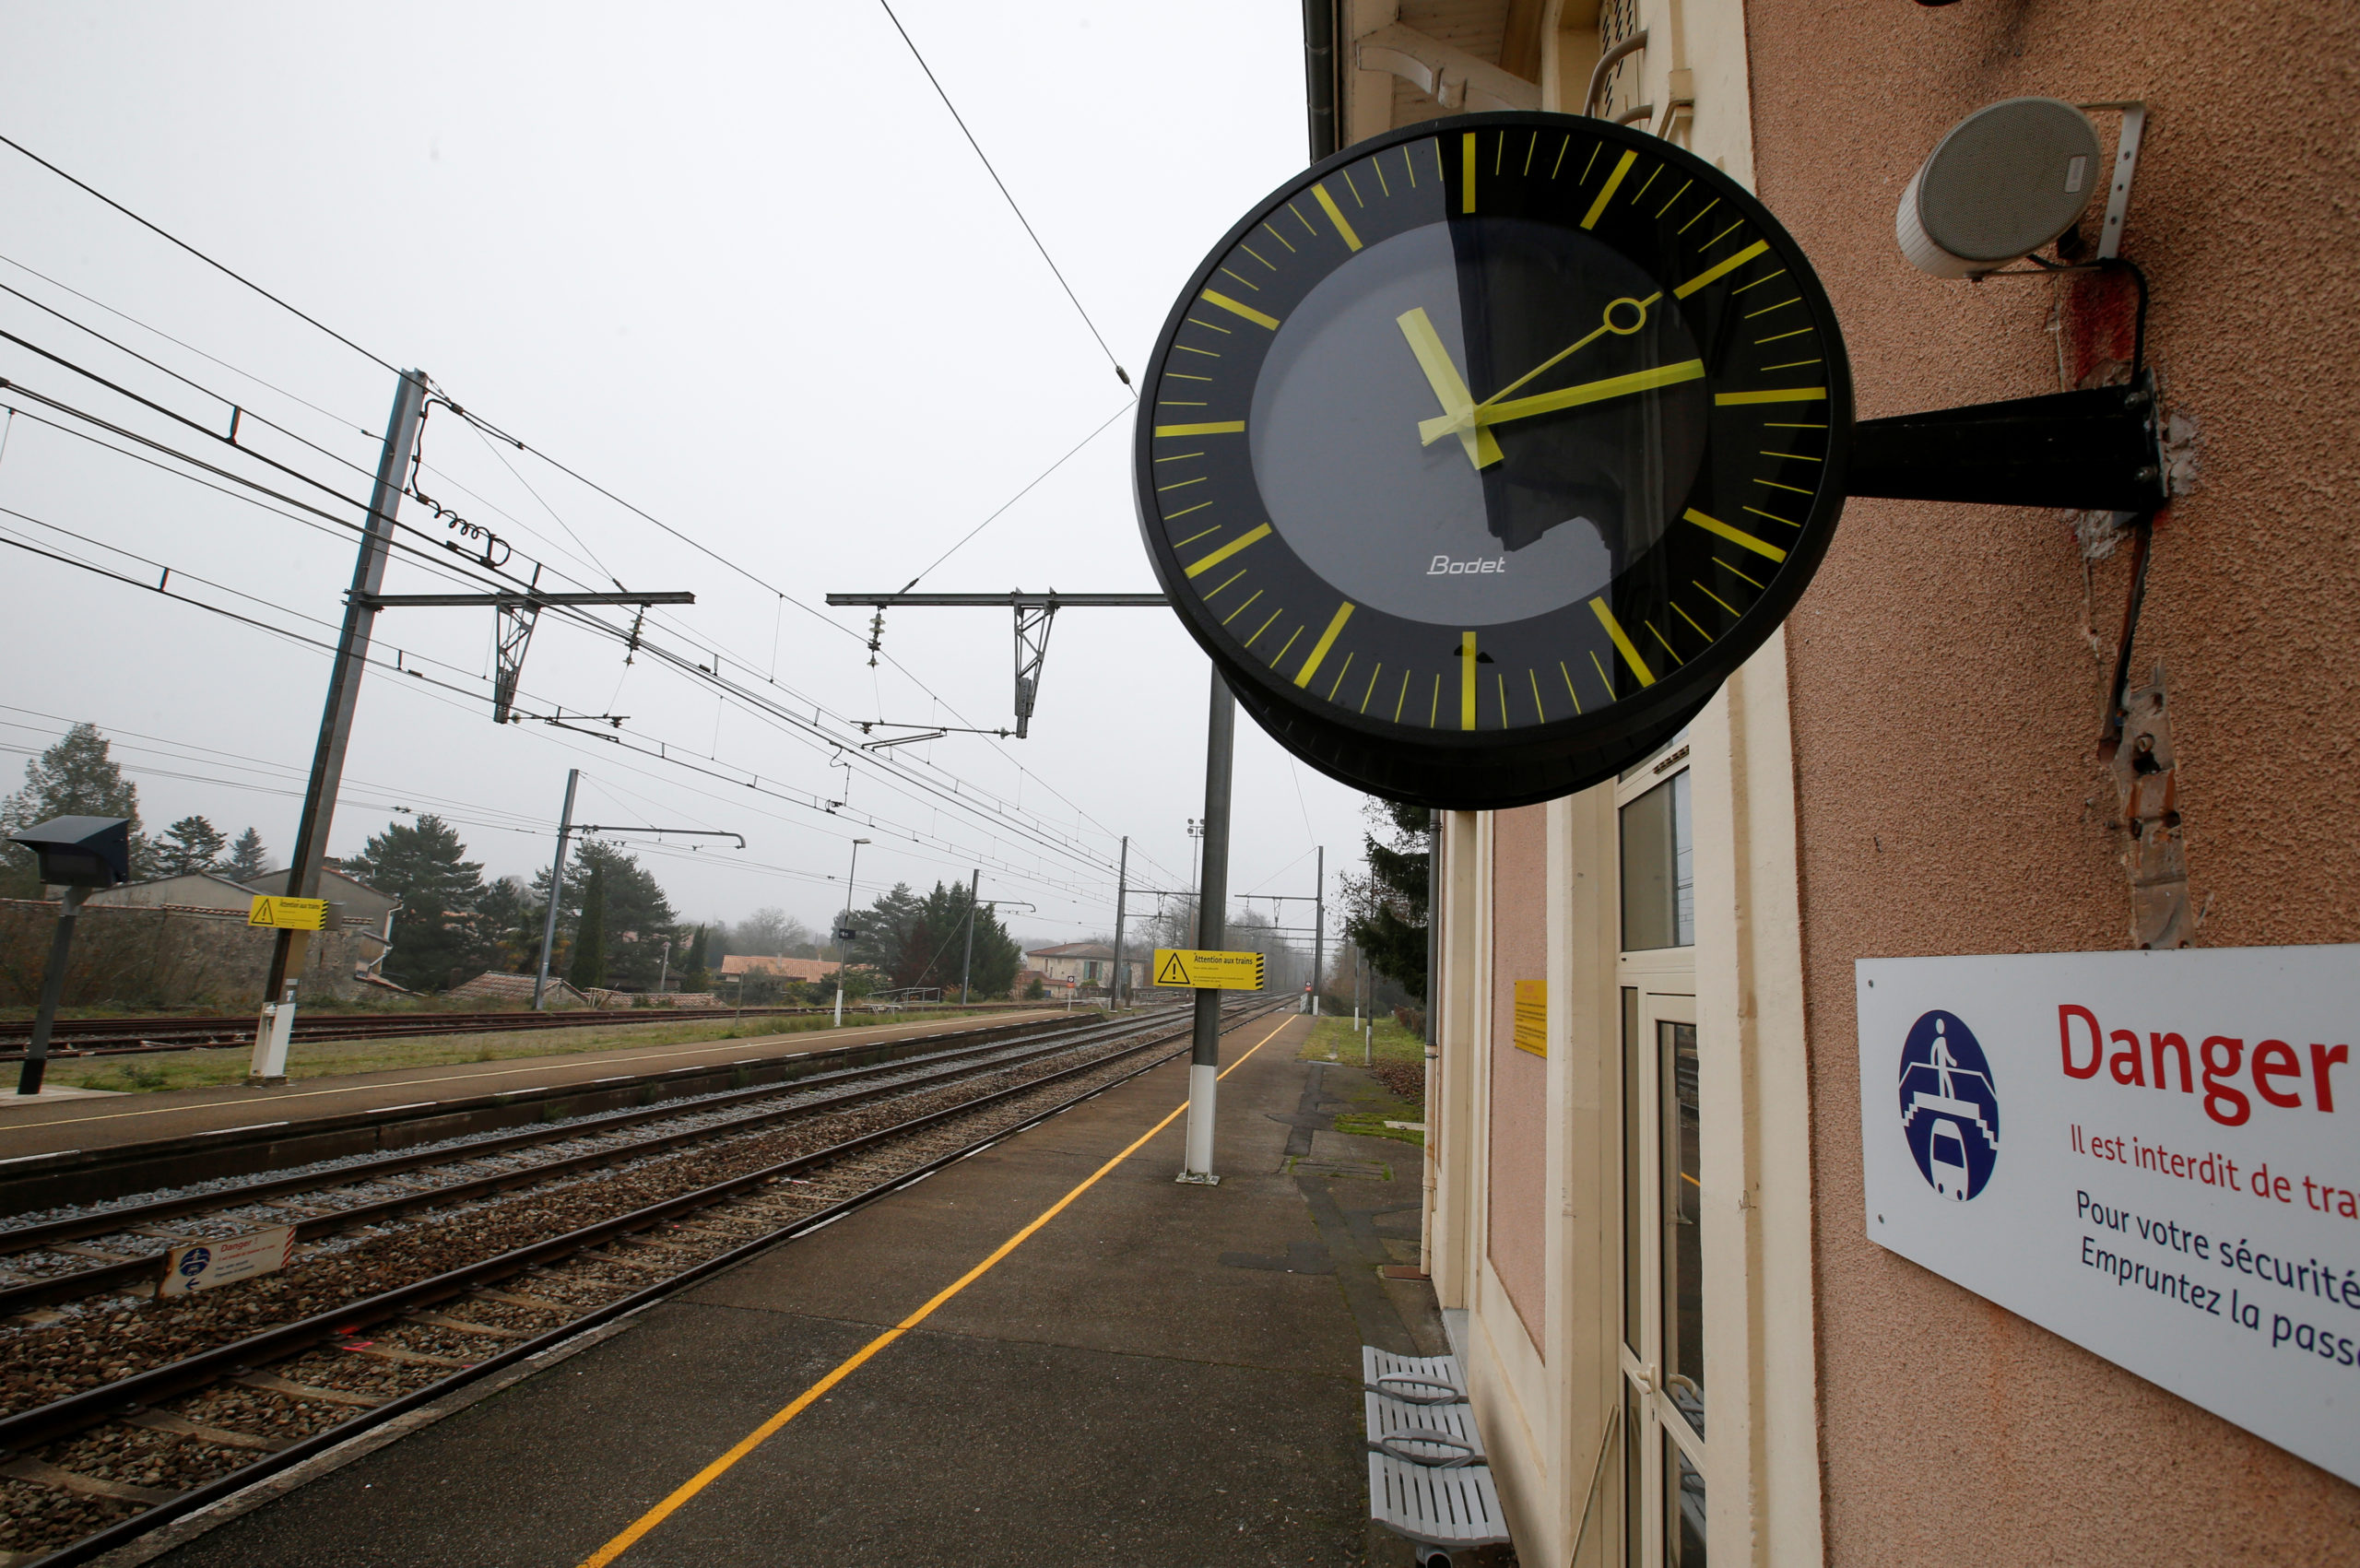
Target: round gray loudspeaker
x,y
2004,182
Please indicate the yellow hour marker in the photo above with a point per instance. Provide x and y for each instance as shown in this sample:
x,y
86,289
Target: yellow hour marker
x,y
1467,173
1466,680
1720,269
1734,535
1234,308
1776,395
1231,549
1327,640
1614,184
1336,216
1629,650
1219,427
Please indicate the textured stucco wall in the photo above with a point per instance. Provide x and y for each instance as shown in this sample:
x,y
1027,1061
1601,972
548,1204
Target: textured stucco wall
x,y
1946,697
1517,1213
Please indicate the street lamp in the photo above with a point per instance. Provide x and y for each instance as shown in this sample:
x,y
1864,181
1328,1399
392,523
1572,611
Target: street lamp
x,y
79,853
845,932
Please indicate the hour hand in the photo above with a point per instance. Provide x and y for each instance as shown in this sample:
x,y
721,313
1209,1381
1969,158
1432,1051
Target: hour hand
x,y
1450,390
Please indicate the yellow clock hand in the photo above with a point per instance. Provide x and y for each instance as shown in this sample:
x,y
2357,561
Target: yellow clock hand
x,y
1605,325
1592,392
1450,390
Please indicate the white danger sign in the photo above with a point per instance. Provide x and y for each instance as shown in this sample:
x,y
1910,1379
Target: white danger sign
x,y
201,1266
2155,1155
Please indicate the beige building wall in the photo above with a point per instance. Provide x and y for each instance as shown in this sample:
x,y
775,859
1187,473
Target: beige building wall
x,y
1947,673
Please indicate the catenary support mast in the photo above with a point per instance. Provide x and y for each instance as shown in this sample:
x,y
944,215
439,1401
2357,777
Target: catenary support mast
x,y
1212,904
557,883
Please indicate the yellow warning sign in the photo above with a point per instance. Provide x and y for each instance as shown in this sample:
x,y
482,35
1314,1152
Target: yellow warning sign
x,y
291,914
1202,970
1533,1016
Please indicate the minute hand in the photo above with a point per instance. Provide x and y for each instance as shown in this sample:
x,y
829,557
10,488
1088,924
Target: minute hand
x,y
1574,396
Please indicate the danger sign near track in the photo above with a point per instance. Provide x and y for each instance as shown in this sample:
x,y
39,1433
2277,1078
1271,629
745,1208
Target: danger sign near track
x,y
293,915
1203,970
201,1266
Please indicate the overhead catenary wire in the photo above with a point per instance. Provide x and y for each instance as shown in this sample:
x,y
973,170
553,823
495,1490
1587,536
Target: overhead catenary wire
x,y
171,238
1120,374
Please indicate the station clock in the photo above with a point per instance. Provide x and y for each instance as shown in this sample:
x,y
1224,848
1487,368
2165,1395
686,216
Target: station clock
x,y
1480,454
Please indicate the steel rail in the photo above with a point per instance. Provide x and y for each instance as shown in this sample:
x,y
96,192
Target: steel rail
x,y
127,1395
21,1297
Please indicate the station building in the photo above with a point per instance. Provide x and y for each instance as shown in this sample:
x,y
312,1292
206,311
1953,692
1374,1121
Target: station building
x,y
1644,1215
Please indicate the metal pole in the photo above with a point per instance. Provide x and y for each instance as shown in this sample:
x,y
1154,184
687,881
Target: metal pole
x,y
843,952
557,883
52,990
1212,905
1319,932
664,975
967,964
1122,879
1433,1056
344,691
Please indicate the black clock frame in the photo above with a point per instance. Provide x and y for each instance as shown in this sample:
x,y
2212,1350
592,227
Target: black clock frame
x,y
1493,768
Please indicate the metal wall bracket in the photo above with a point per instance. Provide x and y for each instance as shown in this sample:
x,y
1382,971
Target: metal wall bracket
x,y
2097,450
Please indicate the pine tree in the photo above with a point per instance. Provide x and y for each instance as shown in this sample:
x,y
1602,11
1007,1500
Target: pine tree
x,y
1386,911
76,777
589,967
190,845
248,858
440,929
637,915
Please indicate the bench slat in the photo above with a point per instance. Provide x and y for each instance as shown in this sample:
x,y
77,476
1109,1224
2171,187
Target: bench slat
x,y
1458,1506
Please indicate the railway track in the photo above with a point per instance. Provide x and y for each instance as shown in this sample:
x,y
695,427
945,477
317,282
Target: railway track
x,y
122,1414
134,1036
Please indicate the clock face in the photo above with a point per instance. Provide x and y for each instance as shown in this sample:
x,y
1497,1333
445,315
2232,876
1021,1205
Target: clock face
x,y
1480,454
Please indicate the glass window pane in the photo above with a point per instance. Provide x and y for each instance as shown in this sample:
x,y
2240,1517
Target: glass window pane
x,y
1684,1523
1633,1225
1636,1430
1683,1273
1659,869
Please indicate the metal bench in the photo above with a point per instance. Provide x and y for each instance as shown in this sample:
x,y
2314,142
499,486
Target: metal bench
x,y
1422,1434
1413,1380
1445,1507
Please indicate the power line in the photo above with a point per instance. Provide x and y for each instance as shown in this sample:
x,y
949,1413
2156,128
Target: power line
x,y
1011,501
192,250
1120,374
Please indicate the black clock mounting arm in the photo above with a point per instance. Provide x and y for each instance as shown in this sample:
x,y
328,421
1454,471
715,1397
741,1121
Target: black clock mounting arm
x,y
2095,450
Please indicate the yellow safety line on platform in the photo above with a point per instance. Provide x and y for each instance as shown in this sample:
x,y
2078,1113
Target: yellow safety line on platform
x,y
811,1395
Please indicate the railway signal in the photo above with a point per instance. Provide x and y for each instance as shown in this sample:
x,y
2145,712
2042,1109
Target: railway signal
x,y
78,853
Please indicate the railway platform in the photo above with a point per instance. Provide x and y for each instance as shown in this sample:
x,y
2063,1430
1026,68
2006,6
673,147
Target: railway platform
x,y
1049,1353
39,1125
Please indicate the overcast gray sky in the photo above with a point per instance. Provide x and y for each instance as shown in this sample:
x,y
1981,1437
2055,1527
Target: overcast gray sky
x,y
734,264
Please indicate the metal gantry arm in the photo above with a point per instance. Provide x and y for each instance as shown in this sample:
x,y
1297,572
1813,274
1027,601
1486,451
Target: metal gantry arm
x,y
1034,613
518,613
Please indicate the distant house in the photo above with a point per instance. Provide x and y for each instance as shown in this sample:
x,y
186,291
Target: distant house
x,y
358,905
1085,964
739,966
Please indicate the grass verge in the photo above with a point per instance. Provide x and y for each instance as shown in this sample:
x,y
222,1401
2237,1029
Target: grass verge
x,y
227,1065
